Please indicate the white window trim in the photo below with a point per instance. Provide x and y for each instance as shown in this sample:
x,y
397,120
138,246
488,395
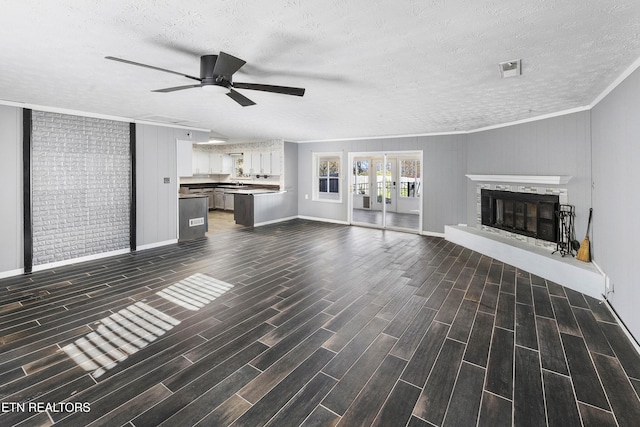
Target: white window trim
x,y
316,158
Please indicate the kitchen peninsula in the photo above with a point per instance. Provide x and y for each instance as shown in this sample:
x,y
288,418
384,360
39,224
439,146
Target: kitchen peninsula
x,y
257,206
221,194
252,204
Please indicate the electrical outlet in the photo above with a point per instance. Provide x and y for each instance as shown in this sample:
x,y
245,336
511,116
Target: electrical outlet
x,y
306,197
608,284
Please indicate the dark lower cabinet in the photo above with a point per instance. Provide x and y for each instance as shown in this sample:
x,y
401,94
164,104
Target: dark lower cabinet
x,y
193,216
243,209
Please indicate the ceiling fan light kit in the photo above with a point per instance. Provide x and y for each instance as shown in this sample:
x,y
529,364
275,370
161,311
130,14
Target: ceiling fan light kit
x,y
216,74
215,88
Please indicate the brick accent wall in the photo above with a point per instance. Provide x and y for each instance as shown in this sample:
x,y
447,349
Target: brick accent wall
x,y
81,186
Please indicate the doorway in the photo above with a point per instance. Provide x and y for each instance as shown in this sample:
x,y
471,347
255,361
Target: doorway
x,y
385,190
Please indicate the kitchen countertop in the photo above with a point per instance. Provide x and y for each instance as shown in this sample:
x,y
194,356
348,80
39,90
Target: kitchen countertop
x,y
249,191
192,195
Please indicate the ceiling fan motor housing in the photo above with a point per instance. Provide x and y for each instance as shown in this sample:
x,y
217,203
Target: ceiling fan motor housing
x,y
207,64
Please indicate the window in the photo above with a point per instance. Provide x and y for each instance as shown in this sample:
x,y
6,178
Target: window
x,y
410,178
327,177
238,166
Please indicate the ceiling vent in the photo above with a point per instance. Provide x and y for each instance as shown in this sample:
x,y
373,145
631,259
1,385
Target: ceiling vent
x,y
510,68
164,119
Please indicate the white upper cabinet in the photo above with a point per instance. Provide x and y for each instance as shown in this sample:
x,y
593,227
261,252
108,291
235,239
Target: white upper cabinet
x,y
256,162
263,163
246,163
220,163
276,163
200,163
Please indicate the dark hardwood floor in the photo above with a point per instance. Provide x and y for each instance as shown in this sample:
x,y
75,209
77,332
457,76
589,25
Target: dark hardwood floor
x,y
314,324
405,221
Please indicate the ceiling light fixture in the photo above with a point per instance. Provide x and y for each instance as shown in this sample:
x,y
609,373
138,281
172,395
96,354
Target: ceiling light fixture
x,y
510,68
212,141
215,88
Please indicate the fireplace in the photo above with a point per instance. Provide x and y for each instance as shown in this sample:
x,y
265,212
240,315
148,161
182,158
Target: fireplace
x,y
528,214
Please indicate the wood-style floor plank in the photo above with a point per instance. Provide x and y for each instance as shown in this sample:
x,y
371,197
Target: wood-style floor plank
x,y
398,407
583,374
495,411
528,396
561,405
551,352
370,400
432,404
625,405
464,406
477,351
624,350
319,324
500,365
263,410
564,316
425,356
348,388
303,404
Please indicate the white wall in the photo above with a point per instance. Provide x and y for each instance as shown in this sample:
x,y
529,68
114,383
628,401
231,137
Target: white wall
x,y
554,146
11,249
157,202
444,166
616,196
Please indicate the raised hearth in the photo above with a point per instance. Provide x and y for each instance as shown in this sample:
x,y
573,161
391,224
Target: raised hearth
x,y
567,271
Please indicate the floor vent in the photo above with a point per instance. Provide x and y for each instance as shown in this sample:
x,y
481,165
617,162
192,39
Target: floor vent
x,y
196,221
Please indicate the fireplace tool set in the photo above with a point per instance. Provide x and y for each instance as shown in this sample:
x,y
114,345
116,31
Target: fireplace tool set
x,y
567,243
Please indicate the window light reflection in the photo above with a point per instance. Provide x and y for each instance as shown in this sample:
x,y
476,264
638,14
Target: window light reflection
x,y
132,328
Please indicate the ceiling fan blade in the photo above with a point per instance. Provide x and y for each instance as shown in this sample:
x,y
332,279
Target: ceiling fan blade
x,y
240,99
126,61
297,91
227,64
173,89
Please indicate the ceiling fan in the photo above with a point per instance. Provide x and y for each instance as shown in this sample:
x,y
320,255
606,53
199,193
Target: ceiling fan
x,y
216,71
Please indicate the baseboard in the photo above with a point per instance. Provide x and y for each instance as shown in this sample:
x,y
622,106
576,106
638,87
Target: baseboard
x,y
431,234
157,244
274,221
11,273
79,260
626,331
332,221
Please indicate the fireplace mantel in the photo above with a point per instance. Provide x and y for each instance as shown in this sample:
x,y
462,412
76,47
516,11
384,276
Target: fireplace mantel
x,y
523,179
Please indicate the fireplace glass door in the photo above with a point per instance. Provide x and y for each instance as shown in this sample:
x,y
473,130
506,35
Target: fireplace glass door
x,y
522,213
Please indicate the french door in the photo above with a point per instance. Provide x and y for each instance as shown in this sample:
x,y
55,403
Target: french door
x,y
385,190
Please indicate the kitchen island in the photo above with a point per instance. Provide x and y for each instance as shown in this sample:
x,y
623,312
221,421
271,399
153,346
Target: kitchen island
x,y
257,207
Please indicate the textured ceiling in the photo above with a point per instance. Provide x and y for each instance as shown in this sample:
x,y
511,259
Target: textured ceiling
x,y
370,67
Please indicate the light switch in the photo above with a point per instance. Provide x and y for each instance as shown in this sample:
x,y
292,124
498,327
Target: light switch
x,y
167,180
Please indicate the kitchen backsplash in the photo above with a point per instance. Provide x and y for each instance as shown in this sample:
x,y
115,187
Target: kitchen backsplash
x,y
273,145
